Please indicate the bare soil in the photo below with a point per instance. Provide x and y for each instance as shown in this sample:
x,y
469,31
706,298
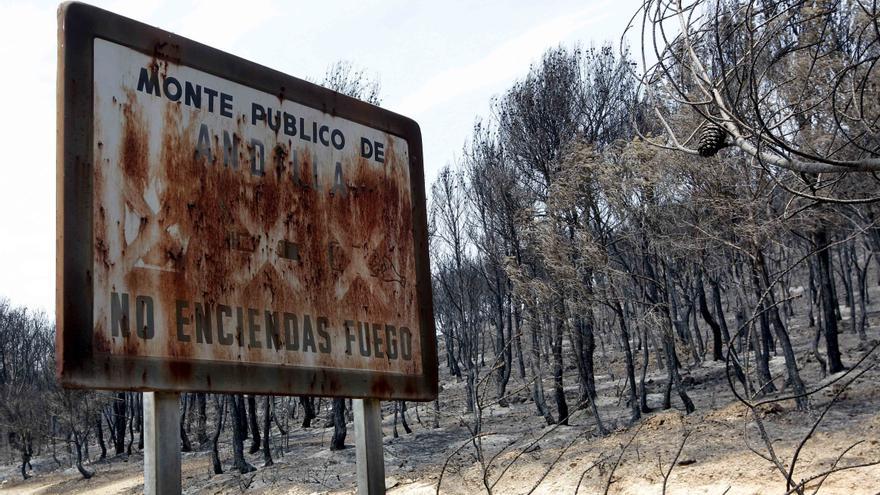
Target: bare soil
x,y
524,455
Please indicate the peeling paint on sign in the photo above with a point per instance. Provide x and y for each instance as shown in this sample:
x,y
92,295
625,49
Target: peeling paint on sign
x,y
224,227
235,225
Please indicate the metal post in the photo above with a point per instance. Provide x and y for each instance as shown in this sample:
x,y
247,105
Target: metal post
x,y
368,445
161,443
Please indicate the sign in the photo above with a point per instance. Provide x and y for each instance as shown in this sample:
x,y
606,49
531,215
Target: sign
x,y
224,227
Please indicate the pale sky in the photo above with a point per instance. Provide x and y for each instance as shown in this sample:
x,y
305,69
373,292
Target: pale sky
x,y
439,63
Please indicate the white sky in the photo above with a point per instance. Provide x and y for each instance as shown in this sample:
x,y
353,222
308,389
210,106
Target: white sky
x,y
439,63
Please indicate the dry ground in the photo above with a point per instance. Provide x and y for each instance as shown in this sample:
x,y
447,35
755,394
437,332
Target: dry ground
x,y
524,455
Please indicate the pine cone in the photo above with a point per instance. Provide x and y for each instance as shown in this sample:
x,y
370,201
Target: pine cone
x,y
712,139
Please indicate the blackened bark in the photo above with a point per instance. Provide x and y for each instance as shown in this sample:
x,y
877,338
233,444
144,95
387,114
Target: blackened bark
x,y
119,423
763,341
339,428
243,418
77,442
517,341
394,422
503,349
559,389
664,315
201,419
254,425
846,268
238,430
267,427
451,361
826,290
814,292
589,350
26,454
643,390
794,377
633,401
861,280
674,375
717,348
132,419
719,310
185,446
308,405
403,421
537,374
140,418
99,430
220,408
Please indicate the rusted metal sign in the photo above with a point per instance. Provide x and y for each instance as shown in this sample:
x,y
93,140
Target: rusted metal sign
x,y
225,227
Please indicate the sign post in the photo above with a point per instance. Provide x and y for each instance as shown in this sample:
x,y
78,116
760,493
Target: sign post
x,y
370,453
226,228
162,443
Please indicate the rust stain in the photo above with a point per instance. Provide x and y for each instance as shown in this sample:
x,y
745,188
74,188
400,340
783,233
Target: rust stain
x,y
263,262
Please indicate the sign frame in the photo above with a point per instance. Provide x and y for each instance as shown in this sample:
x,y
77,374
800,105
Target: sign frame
x,y
77,365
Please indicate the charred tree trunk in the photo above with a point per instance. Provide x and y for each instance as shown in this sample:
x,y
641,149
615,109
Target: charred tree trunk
x,y
254,425
239,426
826,290
814,292
558,386
660,305
516,328
535,365
861,280
99,430
202,419
26,454
643,390
140,416
717,346
119,423
242,417
403,421
308,406
185,446
78,445
794,376
339,428
220,408
673,374
267,426
503,349
633,401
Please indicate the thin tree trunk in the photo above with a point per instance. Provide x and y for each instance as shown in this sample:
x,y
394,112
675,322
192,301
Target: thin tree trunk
x,y
826,290
238,430
308,405
535,365
717,349
99,430
559,389
403,421
86,474
643,390
185,446
202,419
254,424
339,428
633,401
220,408
794,377
119,420
267,424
